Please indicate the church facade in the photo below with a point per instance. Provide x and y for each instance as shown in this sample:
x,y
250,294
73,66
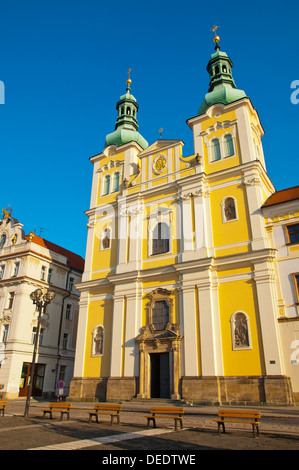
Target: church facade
x,y
182,294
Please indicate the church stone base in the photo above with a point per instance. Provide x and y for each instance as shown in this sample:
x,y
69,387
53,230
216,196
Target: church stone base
x,y
121,388
88,389
111,389
274,390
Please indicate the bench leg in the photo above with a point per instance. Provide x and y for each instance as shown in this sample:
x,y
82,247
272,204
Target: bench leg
x,y
255,430
116,417
223,428
148,422
48,412
176,423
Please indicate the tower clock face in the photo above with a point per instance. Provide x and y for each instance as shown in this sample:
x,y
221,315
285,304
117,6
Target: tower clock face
x,y
159,164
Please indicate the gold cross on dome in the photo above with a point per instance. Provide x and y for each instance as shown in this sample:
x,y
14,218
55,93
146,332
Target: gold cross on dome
x,y
128,72
215,29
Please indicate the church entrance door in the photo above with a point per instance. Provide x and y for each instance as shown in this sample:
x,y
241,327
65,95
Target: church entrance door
x,y
160,378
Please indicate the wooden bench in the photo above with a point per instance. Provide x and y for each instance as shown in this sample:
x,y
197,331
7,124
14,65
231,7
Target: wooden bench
x,y
2,407
239,416
166,412
60,407
105,409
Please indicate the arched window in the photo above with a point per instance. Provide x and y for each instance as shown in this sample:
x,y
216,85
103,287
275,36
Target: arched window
x,y
98,341
2,240
160,315
106,238
228,146
160,238
229,209
115,181
240,331
106,189
215,149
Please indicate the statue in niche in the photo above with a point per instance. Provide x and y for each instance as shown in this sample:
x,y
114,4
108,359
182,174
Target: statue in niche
x,y
98,340
106,239
229,209
241,337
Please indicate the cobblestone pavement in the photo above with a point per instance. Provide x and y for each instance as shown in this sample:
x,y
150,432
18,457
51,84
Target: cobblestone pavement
x,y
279,430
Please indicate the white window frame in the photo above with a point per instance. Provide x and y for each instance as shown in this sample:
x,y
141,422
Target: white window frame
x,y
208,142
162,215
113,190
2,271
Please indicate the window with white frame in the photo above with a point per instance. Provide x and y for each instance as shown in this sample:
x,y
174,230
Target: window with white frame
x,y
11,297
115,181
5,329
221,147
41,335
215,150
228,145
295,279
160,232
2,240
229,209
160,239
68,312
71,284
65,341
16,269
106,186
240,331
43,273
50,272
2,270
98,341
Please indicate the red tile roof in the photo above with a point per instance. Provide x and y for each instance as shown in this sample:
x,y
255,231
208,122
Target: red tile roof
x,y
74,260
284,195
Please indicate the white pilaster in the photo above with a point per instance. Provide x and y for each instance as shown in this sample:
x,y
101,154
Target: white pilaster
x,y
189,330
81,335
267,302
117,335
209,326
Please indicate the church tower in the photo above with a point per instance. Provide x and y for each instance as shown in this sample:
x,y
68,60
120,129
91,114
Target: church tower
x,y
179,293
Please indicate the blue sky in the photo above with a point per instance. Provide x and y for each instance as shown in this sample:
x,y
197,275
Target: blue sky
x,y
64,64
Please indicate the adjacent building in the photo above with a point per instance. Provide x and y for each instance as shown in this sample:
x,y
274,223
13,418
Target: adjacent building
x,y
27,263
190,286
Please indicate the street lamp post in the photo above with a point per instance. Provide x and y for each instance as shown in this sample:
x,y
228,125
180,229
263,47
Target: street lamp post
x,y
41,298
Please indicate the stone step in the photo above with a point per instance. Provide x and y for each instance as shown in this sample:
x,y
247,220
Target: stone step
x,y
157,401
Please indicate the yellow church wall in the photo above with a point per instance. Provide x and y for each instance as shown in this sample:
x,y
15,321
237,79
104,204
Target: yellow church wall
x,y
99,313
234,231
239,296
105,258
